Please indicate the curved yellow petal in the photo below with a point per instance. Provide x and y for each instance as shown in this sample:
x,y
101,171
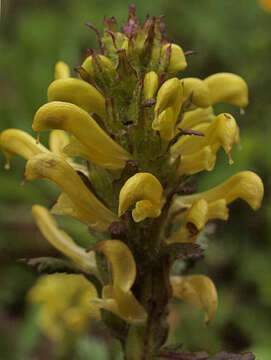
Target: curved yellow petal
x,y
169,94
58,139
203,159
129,307
165,123
75,148
57,170
189,144
227,87
223,131
200,91
245,185
122,263
198,215
177,60
150,85
77,92
141,186
64,206
62,70
102,149
62,241
197,116
144,209
198,290
14,141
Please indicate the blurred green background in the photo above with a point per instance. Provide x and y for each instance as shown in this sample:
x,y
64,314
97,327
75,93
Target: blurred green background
x,y
229,36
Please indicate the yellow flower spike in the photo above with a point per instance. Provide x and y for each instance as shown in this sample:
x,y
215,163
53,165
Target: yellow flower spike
x,y
169,94
62,241
245,185
58,139
196,117
77,92
62,70
122,262
14,141
198,290
201,96
198,215
165,124
57,170
177,61
141,186
102,149
227,87
150,85
87,64
203,159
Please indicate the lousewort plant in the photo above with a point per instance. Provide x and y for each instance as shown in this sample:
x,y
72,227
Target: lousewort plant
x,y
144,132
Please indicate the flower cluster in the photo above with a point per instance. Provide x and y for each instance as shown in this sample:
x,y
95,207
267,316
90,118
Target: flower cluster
x,y
144,132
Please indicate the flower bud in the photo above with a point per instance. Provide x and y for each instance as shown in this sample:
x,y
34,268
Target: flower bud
x,y
107,63
77,92
62,70
177,60
150,85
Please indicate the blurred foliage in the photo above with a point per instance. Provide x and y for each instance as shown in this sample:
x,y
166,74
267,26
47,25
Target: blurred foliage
x,y
229,35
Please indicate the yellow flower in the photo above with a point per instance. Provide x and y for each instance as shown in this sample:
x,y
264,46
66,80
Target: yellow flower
x,y
245,185
66,116
65,304
198,290
265,4
144,190
118,297
177,60
54,168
